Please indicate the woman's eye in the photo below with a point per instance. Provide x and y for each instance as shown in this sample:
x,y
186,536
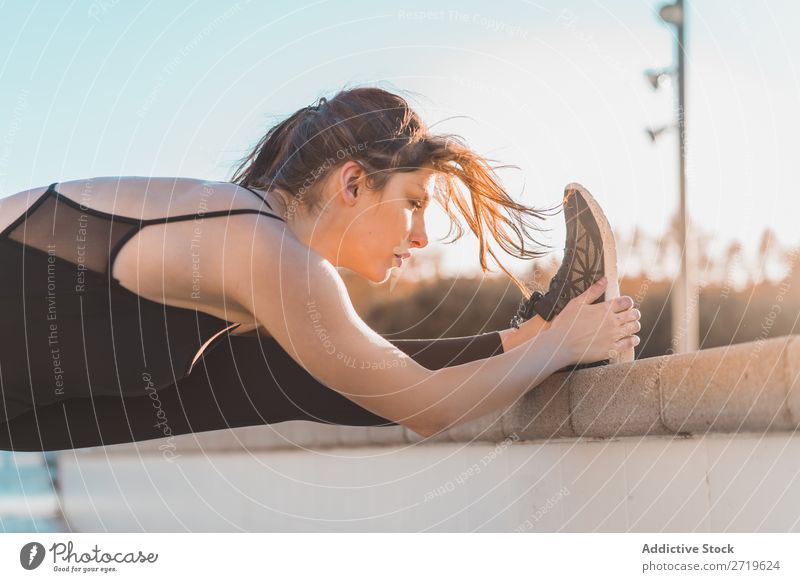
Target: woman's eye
x,y
416,204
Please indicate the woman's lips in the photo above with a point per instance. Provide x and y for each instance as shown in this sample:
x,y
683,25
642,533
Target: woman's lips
x,y
400,258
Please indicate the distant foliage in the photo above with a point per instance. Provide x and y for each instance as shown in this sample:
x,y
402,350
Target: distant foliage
x,y
444,307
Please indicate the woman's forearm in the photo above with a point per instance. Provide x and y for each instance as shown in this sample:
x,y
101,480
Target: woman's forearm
x,y
475,389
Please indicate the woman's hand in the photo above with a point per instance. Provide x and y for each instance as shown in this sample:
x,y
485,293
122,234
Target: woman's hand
x,y
591,333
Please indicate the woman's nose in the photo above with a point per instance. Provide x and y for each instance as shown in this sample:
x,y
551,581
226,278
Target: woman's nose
x,y
419,238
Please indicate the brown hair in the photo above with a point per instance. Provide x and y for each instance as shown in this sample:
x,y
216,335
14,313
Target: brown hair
x,y
379,130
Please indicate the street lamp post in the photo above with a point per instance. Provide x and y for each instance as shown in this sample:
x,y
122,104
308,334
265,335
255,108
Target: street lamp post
x,y
685,296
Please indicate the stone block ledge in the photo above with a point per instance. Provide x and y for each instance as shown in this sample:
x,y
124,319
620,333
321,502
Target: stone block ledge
x,y
748,387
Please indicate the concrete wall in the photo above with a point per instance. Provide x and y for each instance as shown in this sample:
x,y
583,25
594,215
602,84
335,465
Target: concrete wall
x,y
716,482
705,441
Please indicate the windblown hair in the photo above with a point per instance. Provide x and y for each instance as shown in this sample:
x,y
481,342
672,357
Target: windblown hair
x,y
379,130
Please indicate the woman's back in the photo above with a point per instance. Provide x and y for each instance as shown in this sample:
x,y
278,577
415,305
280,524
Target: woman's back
x,y
109,296
162,262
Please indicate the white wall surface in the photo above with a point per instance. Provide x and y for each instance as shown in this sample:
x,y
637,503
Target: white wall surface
x,y
716,482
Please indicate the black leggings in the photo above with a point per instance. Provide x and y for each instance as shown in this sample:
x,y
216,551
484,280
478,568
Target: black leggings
x,y
245,381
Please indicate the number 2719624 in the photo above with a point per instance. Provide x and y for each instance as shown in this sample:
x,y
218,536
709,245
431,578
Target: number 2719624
x,y
755,565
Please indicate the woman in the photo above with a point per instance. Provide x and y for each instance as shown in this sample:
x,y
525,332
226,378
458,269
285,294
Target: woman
x,y
139,308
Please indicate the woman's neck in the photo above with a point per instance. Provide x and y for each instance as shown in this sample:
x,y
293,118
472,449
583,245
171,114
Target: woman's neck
x,y
313,231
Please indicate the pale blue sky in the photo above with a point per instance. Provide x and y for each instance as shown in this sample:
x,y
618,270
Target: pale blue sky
x,y
97,88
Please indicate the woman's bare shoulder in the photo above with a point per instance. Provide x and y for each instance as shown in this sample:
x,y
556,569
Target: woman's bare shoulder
x,y
142,197
148,197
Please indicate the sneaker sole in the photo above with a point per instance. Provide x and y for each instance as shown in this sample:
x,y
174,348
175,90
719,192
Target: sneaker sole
x,y
609,257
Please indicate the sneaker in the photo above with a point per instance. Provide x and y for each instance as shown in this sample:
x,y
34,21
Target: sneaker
x,y
590,253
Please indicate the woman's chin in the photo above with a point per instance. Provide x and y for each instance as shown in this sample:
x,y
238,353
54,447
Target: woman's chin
x,y
377,277
386,274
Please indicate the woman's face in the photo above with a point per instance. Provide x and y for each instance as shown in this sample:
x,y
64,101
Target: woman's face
x,y
382,227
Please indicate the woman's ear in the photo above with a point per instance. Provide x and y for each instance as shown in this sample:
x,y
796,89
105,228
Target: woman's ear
x,y
353,186
352,173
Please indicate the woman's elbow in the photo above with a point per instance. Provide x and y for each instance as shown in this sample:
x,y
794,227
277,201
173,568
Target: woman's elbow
x,y
429,427
425,431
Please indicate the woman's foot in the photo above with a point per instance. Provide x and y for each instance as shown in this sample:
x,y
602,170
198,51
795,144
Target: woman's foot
x,y
589,254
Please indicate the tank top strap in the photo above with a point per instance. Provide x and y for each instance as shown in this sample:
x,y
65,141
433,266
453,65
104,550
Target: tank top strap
x,y
208,214
29,210
181,217
87,237
259,196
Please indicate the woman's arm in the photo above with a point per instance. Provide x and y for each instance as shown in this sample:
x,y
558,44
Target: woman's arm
x,y
300,298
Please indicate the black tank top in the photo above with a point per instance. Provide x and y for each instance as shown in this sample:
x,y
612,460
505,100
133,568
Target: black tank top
x,y
69,329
